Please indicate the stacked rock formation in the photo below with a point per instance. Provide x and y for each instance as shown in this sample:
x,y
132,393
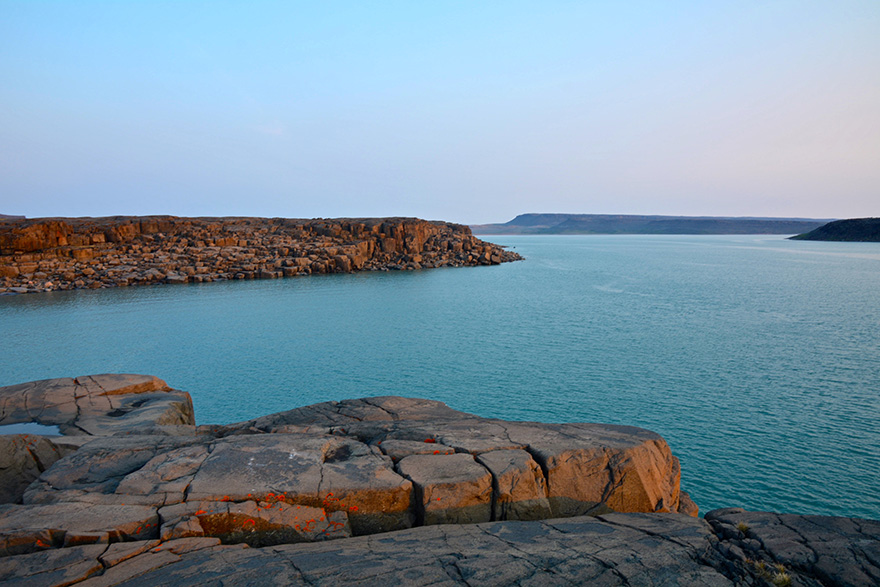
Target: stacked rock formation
x,y
368,491
71,253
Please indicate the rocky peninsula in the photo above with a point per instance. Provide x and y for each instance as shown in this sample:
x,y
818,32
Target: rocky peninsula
x,y
47,254
121,487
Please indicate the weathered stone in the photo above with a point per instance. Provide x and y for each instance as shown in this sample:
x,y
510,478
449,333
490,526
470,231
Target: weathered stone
x,y
588,467
519,485
52,567
95,472
307,471
451,489
18,523
23,457
257,523
120,551
831,550
398,449
303,475
98,404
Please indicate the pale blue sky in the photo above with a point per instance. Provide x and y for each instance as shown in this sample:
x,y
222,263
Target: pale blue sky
x,y
464,111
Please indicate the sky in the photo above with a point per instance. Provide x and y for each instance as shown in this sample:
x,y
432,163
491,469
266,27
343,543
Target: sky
x,y
467,111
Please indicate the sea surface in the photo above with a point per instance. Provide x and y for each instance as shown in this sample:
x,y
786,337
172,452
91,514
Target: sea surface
x,y
757,358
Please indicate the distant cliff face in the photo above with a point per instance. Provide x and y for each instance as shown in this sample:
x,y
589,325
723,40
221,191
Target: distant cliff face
x,y
70,253
854,230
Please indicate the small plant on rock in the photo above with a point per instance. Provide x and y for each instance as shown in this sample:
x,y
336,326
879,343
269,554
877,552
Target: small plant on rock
x,y
781,579
743,527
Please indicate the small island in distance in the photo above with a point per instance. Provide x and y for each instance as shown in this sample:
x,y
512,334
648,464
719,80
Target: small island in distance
x,y
632,224
852,230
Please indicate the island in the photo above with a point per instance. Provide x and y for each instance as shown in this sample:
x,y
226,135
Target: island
x,y
119,486
853,230
47,254
630,224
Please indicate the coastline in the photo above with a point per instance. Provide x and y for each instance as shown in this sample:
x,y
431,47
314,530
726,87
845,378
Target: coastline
x,y
48,254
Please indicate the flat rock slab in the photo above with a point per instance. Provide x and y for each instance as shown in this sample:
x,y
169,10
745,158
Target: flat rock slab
x,y
835,551
257,523
588,468
97,405
618,549
29,528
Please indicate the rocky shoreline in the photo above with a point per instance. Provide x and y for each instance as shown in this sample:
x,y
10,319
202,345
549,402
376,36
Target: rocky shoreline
x,y
47,254
368,491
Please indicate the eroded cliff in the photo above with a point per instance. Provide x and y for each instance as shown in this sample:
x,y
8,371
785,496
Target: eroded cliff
x,y
69,253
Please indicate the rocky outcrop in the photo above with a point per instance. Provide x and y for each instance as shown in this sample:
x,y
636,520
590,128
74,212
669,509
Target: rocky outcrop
x,y
374,490
98,405
71,253
335,469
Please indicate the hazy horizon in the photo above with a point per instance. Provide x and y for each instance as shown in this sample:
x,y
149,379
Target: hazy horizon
x,y
472,113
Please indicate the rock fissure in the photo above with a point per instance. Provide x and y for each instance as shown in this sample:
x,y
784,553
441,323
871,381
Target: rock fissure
x,y
394,417
542,464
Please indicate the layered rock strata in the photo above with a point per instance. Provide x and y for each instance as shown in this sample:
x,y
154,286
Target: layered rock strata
x,y
71,253
373,490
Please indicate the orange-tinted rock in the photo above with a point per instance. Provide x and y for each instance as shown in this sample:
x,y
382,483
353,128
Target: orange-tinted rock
x,y
48,254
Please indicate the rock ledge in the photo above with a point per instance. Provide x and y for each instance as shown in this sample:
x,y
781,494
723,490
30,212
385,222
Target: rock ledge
x,y
372,490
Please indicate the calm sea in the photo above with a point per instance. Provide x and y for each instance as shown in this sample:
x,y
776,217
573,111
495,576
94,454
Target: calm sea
x,y
757,358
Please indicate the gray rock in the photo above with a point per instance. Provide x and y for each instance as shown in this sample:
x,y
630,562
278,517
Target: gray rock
x,y
816,550
29,528
23,457
97,405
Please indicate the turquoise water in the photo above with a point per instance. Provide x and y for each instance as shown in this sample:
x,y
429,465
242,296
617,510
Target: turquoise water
x,y
757,358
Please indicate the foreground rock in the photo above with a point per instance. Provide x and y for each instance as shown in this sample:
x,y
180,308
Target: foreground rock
x,y
373,490
72,253
314,473
612,549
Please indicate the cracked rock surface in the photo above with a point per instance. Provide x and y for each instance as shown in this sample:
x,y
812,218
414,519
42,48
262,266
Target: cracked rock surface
x,y
372,490
611,549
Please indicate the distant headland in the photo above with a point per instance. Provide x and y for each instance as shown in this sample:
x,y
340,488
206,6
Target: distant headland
x,y
628,224
853,230
45,254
